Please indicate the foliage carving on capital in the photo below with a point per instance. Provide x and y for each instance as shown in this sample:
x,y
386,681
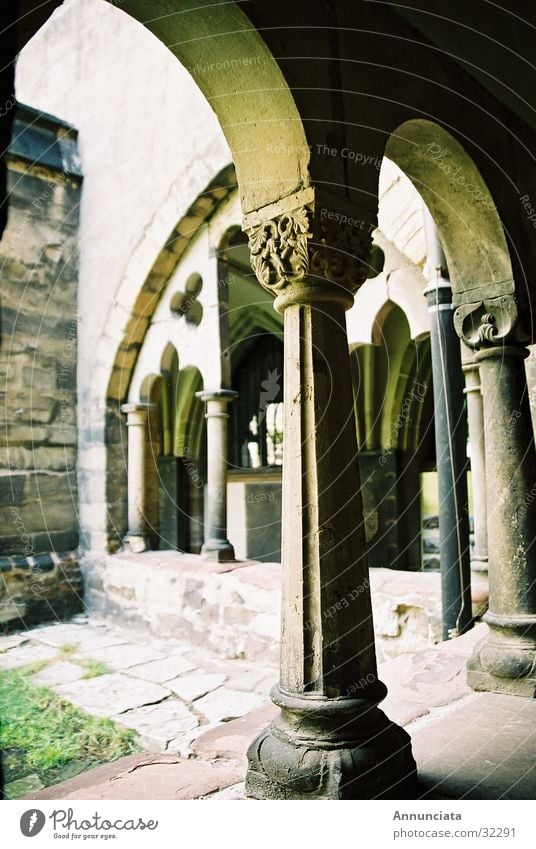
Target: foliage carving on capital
x,y
279,248
342,251
297,244
489,322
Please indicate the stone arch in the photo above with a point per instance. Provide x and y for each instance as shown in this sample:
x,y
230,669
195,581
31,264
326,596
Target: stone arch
x,y
460,202
252,100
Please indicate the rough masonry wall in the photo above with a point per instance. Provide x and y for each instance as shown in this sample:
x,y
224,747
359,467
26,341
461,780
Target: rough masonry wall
x,y
38,342
149,144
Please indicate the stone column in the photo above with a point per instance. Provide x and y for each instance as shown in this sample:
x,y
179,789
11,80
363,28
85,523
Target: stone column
x,y
216,545
506,661
136,538
450,440
475,417
330,739
451,462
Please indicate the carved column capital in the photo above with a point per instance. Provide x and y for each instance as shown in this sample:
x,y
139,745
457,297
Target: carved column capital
x,y
309,247
489,322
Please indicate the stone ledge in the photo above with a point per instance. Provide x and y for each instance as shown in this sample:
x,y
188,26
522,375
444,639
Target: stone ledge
x,y
146,777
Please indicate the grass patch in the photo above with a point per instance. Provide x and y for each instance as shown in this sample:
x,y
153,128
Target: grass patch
x,y
44,735
67,649
93,668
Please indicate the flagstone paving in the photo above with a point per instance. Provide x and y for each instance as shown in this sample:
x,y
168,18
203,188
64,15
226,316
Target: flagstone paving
x,y
168,692
458,749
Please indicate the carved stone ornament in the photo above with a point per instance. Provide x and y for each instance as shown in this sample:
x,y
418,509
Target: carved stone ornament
x,y
302,238
279,250
341,255
489,322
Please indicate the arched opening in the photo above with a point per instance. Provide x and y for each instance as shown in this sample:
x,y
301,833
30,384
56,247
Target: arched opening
x,y
394,413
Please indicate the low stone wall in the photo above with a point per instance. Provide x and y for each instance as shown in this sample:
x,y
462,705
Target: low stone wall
x,y
233,608
38,589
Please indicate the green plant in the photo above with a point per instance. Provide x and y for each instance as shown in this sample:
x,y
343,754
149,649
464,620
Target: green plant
x,y
40,733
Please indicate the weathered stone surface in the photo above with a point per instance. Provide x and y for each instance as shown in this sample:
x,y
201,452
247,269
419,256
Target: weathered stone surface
x,y
192,687
231,740
147,777
163,670
7,643
224,704
483,749
158,724
58,673
123,656
82,636
38,589
110,694
25,655
429,678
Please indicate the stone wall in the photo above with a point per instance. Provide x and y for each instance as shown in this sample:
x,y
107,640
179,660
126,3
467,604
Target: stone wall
x,y
34,589
38,349
234,608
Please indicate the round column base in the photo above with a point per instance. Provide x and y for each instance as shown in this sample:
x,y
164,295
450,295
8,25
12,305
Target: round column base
x,y
479,563
330,749
136,543
505,662
218,549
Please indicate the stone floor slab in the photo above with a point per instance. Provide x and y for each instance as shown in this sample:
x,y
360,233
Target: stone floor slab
x,y
231,739
81,636
483,748
123,656
147,777
107,695
23,655
192,687
63,672
160,671
158,724
12,641
225,704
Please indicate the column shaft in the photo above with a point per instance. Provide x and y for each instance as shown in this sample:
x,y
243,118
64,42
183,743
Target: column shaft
x,y
451,461
475,418
330,739
136,536
506,661
216,545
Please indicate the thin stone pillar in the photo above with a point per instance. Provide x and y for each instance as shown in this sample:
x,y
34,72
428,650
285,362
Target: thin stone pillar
x,y
136,538
330,739
216,545
450,436
475,419
506,661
